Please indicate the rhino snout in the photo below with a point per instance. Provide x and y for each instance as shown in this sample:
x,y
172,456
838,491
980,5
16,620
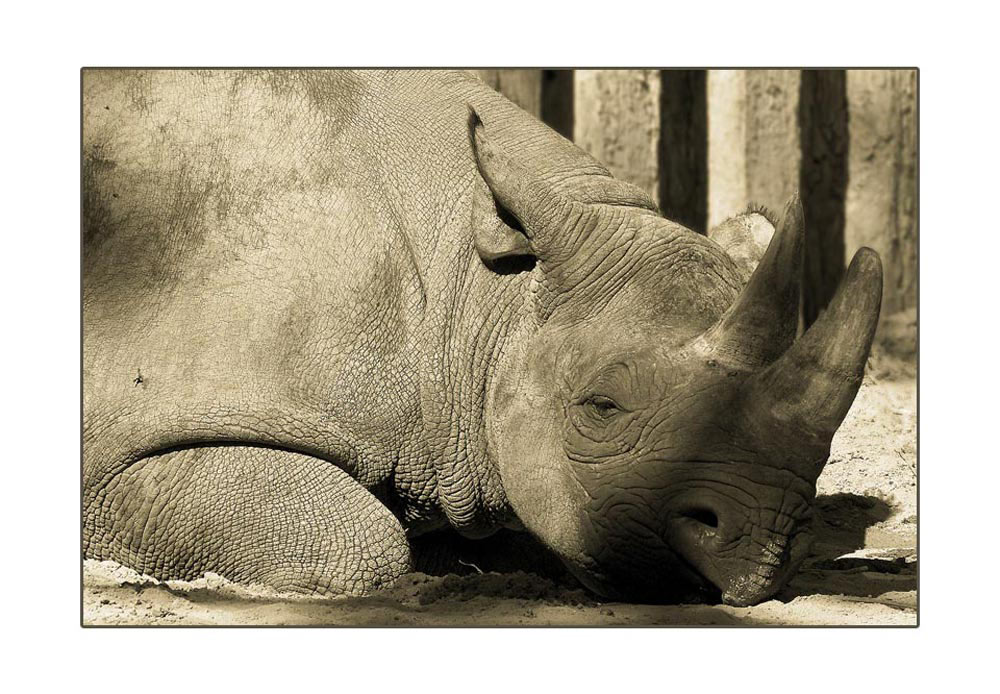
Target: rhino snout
x,y
748,559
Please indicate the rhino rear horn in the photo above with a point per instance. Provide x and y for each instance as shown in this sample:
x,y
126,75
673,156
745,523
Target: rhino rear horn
x,y
761,324
812,386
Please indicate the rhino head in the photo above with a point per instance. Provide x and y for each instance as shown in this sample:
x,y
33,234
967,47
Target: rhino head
x,y
659,426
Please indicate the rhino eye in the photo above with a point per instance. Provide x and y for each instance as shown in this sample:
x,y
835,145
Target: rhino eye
x,y
598,428
603,406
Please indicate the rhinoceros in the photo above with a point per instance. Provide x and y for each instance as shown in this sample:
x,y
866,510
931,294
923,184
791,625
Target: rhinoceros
x,y
329,312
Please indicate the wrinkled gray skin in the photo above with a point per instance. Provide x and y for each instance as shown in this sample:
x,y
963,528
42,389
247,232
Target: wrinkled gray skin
x,y
325,312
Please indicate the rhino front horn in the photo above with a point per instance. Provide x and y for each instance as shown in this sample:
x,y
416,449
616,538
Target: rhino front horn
x,y
812,386
760,325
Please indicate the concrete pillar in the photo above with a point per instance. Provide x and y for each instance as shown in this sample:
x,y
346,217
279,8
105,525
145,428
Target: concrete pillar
x,y
617,121
523,87
824,125
753,140
684,148
557,101
881,207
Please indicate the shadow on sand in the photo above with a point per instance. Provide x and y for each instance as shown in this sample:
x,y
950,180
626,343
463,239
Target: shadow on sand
x,y
841,527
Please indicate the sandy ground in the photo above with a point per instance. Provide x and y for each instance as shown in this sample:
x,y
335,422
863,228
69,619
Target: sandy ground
x,y
863,570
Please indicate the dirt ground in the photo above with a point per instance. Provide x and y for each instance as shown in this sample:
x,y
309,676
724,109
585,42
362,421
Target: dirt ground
x,y
863,570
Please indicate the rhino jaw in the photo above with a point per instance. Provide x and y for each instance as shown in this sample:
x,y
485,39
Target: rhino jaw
x,y
745,576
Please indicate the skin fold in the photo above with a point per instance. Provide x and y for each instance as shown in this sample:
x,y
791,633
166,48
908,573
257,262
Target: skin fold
x,y
366,306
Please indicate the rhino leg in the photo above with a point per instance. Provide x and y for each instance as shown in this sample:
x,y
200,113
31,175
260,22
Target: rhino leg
x,y
251,514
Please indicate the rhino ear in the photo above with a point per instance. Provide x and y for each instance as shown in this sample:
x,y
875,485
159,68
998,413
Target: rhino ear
x,y
498,237
515,213
745,237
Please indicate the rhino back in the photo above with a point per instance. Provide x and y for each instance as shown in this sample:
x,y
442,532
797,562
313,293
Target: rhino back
x,y
285,258
233,259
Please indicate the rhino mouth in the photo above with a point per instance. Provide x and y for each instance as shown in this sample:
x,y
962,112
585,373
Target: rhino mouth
x,y
677,582
705,532
745,570
695,577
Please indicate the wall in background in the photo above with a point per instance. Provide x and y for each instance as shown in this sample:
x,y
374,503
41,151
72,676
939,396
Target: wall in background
x,y
706,144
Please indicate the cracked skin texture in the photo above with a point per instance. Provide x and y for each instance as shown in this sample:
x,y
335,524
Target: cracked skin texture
x,y
286,259
309,273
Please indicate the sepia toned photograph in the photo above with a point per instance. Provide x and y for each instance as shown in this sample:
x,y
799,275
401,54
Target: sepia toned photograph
x,y
499,347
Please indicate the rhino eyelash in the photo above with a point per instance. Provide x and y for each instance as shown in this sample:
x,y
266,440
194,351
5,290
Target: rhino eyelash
x,y
603,406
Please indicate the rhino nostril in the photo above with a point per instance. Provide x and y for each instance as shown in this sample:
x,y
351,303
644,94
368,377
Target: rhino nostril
x,y
702,515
